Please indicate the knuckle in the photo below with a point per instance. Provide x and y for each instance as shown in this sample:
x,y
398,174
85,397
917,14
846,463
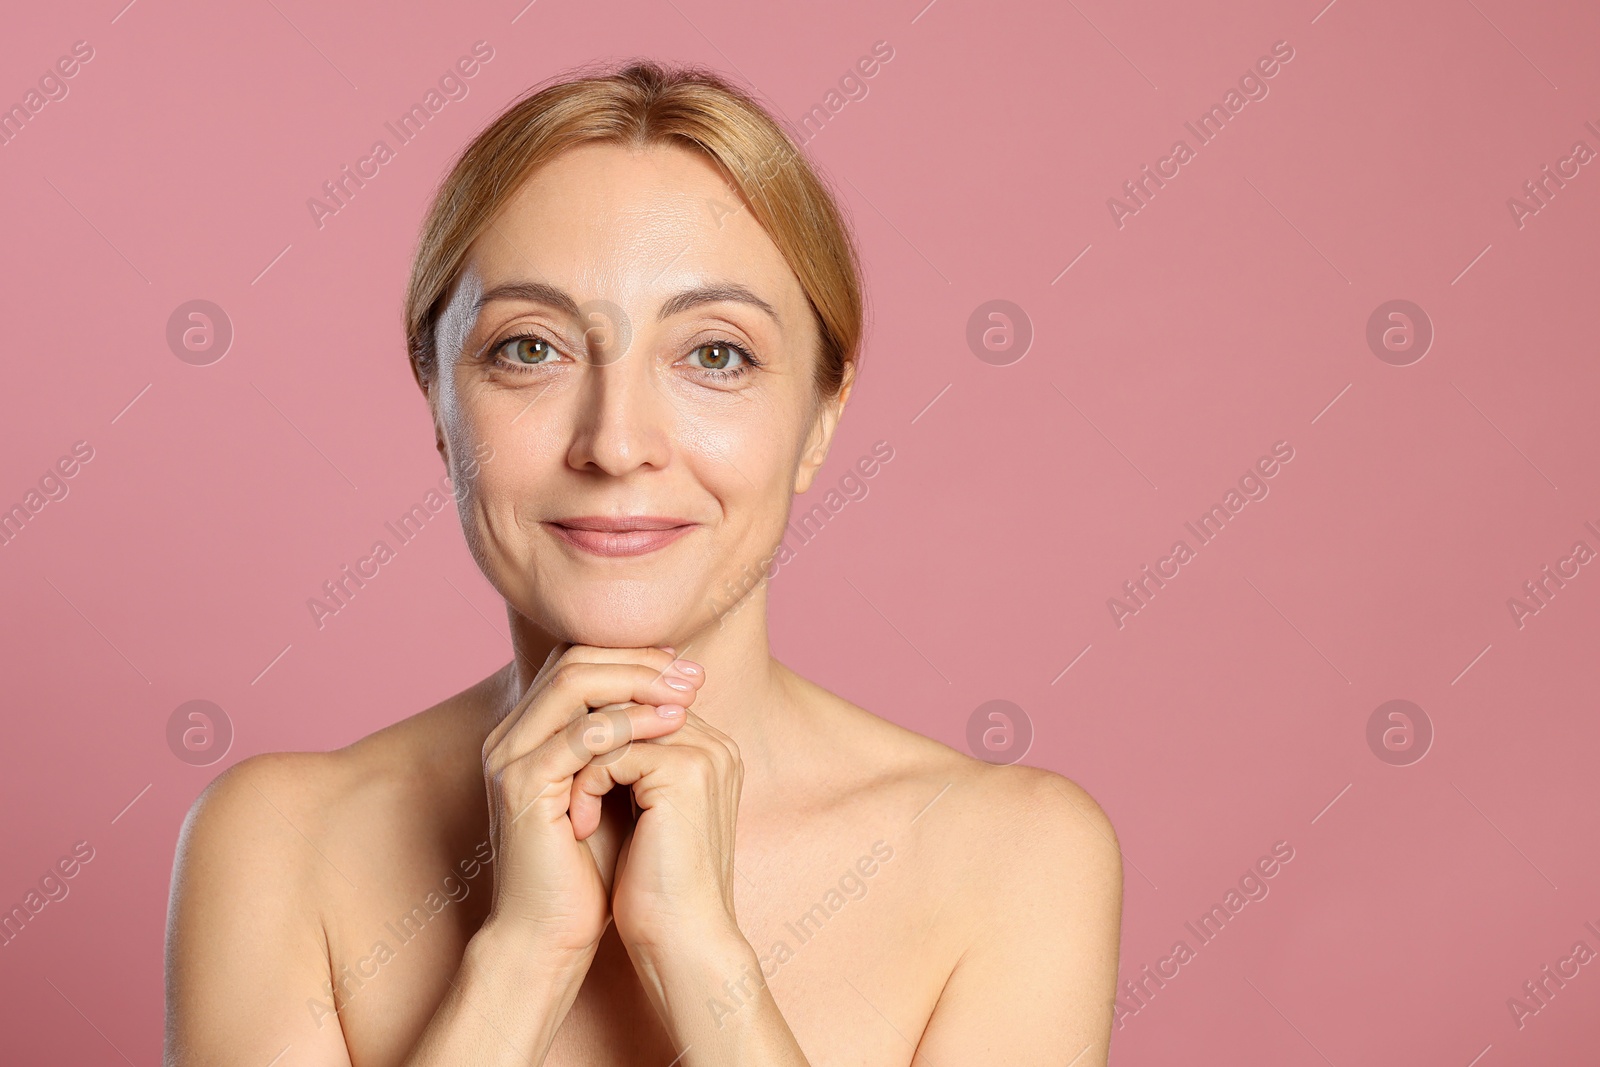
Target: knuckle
x,y
493,761
589,732
703,763
509,788
565,676
544,763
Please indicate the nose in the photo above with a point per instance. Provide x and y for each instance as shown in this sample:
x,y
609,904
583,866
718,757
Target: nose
x,y
623,422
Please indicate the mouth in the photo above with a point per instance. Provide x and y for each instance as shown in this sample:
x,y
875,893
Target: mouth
x,y
629,535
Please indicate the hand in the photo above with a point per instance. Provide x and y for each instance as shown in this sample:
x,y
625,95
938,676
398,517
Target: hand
x,y
552,872
674,879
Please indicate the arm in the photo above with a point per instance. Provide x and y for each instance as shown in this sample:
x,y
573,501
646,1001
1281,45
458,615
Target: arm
x,y
245,954
673,900
248,970
505,1004
1037,982
692,988
248,964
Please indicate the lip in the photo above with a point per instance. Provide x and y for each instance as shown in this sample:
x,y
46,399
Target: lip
x,y
625,535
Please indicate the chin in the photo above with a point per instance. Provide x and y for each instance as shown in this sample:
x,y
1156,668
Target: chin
x,y
614,617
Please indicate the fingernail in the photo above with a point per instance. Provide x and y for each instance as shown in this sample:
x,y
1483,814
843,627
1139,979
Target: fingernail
x,y
669,650
685,666
669,711
682,687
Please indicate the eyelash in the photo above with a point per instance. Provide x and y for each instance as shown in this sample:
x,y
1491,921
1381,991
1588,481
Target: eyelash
x,y
747,362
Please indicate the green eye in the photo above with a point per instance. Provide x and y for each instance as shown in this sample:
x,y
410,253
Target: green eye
x,y
527,351
718,356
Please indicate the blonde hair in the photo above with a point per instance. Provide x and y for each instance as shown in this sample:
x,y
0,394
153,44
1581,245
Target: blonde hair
x,y
647,103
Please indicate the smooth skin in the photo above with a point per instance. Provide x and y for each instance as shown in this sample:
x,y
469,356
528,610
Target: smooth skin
x,y
644,840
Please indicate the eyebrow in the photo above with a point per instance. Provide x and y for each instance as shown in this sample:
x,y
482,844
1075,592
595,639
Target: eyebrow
x,y
541,293
730,292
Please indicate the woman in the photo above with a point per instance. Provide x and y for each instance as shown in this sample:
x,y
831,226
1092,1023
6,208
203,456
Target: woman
x,y
636,316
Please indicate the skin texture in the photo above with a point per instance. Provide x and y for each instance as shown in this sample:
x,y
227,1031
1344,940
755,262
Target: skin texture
x,y
767,874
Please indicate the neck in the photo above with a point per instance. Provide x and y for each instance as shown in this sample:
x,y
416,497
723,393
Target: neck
x,y
747,694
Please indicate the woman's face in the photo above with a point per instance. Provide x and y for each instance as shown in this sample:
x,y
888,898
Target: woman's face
x,y
625,343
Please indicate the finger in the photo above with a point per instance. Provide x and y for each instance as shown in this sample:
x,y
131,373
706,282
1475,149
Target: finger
x,y
575,687
697,731
545,776
665,659
528,696
690,759
650,656
594,780
589,787
557,651
566,652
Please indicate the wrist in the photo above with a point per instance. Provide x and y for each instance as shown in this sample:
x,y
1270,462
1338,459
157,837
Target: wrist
x,y
715,941
510,995
721,963
525,955
714,998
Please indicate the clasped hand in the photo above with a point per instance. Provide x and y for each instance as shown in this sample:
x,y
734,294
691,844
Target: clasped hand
x,y
567,863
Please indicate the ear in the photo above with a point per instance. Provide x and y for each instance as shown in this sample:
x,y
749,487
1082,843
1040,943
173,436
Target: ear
x,y
439,443
820,437
429,384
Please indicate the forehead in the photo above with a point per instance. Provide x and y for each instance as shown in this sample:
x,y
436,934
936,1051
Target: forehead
x,y
626,222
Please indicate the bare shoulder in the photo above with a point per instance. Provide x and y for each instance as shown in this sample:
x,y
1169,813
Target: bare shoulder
x,y
1015,825
283,818
256,870
237,823
1041,812
245,921
269,862
1021,879
1025,833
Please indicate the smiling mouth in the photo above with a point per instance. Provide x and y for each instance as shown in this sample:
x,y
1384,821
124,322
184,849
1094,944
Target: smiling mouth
x,y
632,535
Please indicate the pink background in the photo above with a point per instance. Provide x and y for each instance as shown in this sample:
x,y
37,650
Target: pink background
x,y
1228,314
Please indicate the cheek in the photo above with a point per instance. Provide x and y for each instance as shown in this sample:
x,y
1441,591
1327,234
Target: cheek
x,y
497,461
744,456
529,454
513,425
